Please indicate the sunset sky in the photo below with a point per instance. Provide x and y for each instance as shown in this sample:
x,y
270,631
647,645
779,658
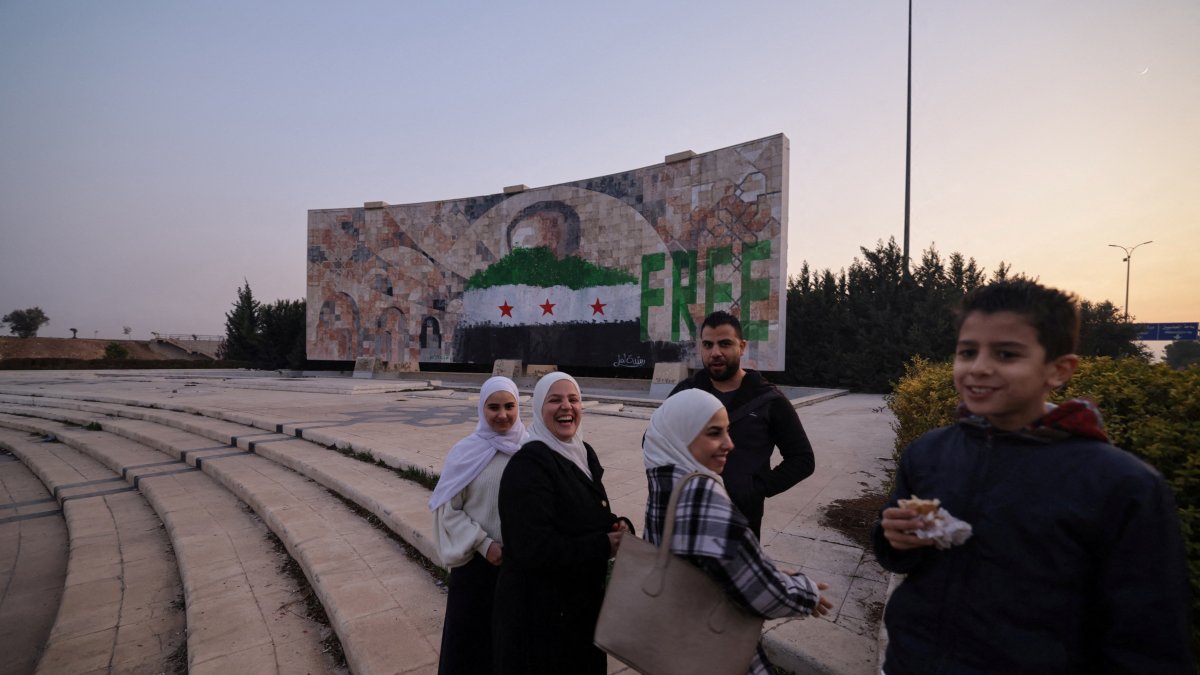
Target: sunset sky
x,y
153,155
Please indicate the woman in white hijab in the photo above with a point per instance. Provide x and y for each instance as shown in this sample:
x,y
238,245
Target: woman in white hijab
x,y
466,526
690,433
559,534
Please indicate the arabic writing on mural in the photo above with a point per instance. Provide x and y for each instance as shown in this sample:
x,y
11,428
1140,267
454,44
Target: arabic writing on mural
x,y
629,361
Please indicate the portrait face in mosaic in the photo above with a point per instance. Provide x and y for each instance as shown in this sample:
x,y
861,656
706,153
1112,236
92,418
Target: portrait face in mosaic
x,y
551,224
613,271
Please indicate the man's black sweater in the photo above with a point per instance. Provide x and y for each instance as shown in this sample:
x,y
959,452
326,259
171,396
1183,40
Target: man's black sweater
x,y
761,419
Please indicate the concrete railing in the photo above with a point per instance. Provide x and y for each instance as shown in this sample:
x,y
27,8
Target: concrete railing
x,y
201,345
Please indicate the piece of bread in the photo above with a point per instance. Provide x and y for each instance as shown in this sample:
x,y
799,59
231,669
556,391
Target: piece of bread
x,y
921,506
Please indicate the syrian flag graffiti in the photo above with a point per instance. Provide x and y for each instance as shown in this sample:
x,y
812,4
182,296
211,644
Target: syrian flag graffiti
x,y
535,307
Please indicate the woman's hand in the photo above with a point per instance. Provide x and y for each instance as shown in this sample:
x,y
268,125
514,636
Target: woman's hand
x,y
619,528
900,527
495,553
614,543
824,604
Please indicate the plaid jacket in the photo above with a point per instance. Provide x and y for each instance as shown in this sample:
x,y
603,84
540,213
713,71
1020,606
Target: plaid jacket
x,y
712,535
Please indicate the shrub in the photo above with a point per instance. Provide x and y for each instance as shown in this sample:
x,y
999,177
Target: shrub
x,y
1149,410
923,399
116,351
1182,353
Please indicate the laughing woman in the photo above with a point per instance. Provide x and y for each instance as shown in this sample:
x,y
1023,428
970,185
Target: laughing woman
x,y
466,526
690,433
558,534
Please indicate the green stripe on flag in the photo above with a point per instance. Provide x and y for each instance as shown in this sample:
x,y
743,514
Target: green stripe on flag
x,y
539,267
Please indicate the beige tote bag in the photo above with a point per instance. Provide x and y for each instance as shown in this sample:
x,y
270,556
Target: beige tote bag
x,y
663,616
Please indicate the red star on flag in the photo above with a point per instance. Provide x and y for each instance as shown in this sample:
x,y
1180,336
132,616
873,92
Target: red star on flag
x,y
505,310
547,308
598,307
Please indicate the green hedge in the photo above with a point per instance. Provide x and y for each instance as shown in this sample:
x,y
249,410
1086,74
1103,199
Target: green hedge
x,y
1149,410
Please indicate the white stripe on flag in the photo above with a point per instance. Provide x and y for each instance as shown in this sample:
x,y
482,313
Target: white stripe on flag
x,y
520,305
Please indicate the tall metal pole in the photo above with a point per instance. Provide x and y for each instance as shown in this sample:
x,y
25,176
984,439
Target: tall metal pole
x,y
908,140
1128,263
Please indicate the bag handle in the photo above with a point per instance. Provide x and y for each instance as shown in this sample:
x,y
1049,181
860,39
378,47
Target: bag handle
x,y
719,617
655,580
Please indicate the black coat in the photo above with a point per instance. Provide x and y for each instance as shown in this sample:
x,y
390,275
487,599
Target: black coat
x,y
554,523
1075,564
769,421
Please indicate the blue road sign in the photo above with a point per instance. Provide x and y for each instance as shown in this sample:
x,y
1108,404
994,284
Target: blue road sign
x,y
1169,331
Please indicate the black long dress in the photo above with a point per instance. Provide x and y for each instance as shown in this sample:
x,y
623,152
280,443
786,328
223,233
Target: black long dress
x,y
554,522
467,632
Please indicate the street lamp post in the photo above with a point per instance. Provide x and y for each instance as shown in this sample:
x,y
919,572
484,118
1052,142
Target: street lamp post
x,y
1128,261
908,139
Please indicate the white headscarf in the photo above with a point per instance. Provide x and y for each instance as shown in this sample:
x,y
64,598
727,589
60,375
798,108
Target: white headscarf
x,y
572,449
470,456
673,427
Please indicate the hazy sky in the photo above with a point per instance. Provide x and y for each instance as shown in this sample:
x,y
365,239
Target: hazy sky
x,y
154,154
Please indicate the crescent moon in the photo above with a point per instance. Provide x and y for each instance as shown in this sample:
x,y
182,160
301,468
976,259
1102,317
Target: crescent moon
x,y
1145,71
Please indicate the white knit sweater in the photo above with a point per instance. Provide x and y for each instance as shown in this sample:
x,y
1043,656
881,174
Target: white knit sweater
x,y
470,521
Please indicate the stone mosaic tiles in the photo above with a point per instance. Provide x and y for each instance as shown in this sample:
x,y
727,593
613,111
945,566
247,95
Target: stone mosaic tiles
x,y
615,269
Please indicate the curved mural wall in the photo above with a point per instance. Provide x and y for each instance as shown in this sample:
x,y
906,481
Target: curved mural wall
x,y
618,270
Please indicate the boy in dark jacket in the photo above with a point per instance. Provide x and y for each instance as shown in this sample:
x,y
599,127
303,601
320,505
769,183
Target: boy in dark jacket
x,y
1076,562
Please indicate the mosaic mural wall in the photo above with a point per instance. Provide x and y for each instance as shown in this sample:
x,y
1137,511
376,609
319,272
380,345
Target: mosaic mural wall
x,y
618,270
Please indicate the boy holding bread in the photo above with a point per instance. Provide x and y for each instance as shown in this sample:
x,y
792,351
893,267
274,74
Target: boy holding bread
x,y
1048,549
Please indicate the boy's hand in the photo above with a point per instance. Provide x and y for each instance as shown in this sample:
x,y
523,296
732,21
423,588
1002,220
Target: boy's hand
x,y
900,526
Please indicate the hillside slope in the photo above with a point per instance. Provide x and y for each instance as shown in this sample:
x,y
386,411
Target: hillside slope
x,y
70,348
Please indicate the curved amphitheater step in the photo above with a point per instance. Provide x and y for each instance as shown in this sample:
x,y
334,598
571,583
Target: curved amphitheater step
x,y
400,504
116,612
386,609
307,447
33,565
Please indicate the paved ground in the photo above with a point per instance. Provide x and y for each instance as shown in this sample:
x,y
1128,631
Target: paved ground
x,y
413,422
35,579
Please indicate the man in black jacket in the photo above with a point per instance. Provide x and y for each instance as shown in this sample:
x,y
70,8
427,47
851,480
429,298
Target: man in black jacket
x,y
760,419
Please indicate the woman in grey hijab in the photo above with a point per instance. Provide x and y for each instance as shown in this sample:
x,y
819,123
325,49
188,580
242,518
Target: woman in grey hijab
x,y
559,534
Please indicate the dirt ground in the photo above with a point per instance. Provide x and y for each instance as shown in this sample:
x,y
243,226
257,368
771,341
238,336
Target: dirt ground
x,y
70,348
855,517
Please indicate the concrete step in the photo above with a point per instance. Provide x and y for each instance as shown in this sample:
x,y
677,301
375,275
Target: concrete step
x,y
410,453
386,609
241,609
33,565
400,504
116,612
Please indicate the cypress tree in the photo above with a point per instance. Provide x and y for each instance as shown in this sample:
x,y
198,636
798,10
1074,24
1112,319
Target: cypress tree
x,y
241,328
281,327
